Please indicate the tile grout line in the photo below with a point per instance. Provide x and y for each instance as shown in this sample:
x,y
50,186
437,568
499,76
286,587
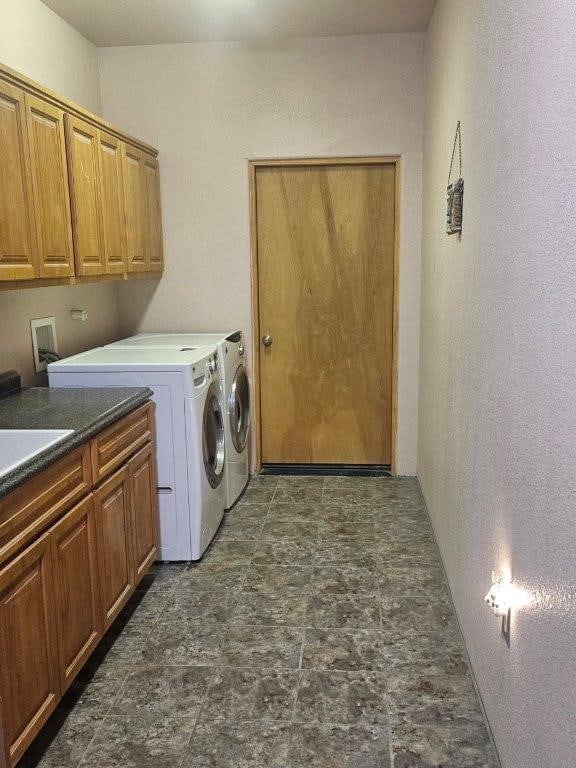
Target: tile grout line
x,y
101,723
201,708
243,568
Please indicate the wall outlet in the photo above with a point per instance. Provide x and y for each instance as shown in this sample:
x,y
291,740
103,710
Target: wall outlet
x,y
43,340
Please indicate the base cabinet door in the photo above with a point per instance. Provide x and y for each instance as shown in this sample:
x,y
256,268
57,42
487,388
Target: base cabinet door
x,y
142,472
29,677
76,588
113,525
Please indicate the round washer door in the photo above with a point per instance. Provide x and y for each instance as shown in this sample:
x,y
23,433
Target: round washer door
x,y
213,437
239,409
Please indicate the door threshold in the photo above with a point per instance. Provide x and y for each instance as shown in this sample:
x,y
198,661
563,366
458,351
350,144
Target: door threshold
x,y
339,470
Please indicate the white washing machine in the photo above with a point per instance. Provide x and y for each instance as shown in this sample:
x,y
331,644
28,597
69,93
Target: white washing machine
x,y
231,354
190,441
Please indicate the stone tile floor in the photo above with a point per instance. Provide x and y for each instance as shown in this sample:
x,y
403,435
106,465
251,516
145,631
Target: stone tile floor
x,y
317,631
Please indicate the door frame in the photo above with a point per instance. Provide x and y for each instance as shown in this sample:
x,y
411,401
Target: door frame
x,y
253,166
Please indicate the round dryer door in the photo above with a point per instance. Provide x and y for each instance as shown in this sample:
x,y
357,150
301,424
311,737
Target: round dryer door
x,y
239,409
213,437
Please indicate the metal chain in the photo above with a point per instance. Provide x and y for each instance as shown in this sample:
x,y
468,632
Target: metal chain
x,y
457,138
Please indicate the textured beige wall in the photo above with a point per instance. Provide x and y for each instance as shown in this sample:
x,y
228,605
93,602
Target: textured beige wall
x,y
497,448
209,107
36,42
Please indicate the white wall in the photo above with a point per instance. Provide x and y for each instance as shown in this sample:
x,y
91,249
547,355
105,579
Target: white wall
x,y
209,107
497,447
37,43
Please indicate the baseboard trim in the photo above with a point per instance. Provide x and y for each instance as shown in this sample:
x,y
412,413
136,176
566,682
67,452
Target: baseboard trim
x,y
339,470
467,655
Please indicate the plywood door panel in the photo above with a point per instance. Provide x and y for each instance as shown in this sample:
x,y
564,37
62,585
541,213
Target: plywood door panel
x,y
154,247
112,195
50,188
17,233
142,472
85,193
113,521
325,244
29,679
135,207
76,588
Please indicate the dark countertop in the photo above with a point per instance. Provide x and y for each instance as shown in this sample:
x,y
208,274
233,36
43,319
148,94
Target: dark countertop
x,y
85,410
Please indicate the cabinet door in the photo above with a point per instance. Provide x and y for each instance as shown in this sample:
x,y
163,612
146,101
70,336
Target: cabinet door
x,y
17,233
50,188
85,197
142,472
76,588
153,229
29,679
135,206
113,519
112,196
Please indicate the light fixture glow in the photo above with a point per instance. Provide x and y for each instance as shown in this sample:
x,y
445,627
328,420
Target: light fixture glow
x,y
499,598
504,597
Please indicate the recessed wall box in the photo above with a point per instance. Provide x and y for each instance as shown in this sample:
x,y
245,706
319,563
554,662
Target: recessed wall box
x,y
43,340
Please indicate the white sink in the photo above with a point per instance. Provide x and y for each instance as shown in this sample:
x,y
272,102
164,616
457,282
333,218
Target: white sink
x,y
19,445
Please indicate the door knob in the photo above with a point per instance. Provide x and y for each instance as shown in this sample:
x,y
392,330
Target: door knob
x,y
267,340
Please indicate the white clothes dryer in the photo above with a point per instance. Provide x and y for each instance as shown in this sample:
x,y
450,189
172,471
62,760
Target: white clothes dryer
x,y
190,441
236,389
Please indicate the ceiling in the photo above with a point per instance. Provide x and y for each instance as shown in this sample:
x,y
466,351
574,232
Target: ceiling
x,y
147,22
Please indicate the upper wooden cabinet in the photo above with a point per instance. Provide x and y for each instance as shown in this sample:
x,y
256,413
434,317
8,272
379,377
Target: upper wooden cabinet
x,y
136,206
50,188
17,234
143,211
97,195
112,197
86,196
78,199
153,215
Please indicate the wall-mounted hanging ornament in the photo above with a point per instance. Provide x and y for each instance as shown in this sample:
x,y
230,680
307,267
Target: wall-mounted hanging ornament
x,y
455,190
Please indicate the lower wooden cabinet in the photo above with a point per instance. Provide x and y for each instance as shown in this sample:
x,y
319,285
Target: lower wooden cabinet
x,y
142,474
29,666
76,588
113,520
60,594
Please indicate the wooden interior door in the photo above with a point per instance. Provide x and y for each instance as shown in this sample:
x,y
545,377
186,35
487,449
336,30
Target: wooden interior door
x,y
76,588
85,194
50,187
17,233
325,250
